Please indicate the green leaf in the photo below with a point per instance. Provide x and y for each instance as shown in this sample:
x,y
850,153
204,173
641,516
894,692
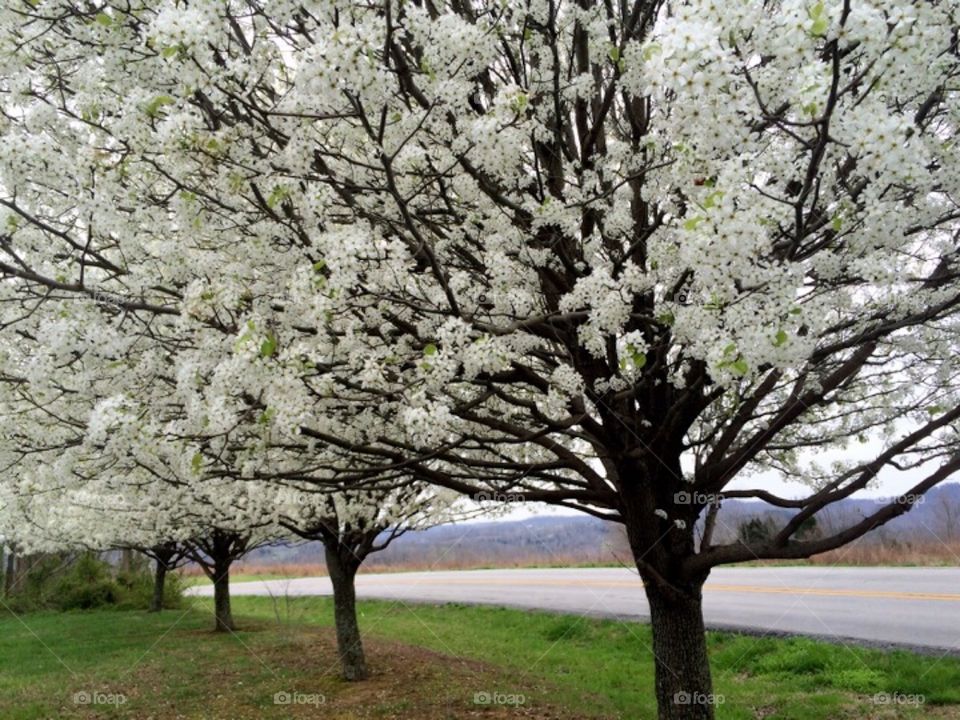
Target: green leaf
x,y
713,199
739,367
266,416
637,358
666,318
197,463
650,50
781,338
520,103
242,340
268,347
820,20
836,223
170,52
154,106
236,181
691,223
935,409
614,54
715,303
430,350
104,19
91,113
277,196
425,68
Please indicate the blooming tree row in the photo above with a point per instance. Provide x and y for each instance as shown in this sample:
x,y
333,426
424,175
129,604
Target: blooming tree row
x,y
600,255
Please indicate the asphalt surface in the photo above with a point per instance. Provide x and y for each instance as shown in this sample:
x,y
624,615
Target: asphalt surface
x,y
916,608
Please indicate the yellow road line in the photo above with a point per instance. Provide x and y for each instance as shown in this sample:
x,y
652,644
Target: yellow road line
x,y
836,592
710,587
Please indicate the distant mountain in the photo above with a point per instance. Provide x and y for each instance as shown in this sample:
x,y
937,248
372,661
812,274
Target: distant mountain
x,y
547,539
580,540
935,518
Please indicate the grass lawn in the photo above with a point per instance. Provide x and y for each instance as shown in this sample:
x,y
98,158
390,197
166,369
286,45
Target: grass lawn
x,y
428,663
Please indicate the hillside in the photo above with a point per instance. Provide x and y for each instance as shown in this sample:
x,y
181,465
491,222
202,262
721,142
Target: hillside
x,y
931,529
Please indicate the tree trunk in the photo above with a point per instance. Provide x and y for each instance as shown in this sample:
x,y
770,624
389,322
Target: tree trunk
x,y
343,572
221,596
11,572
159,583
23,566
215,554
684,688
164,555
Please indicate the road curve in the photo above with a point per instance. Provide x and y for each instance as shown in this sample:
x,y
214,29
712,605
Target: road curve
x,y
917,608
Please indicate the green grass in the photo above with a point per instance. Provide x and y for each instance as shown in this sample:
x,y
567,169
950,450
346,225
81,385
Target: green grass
x,y
797,678
169,665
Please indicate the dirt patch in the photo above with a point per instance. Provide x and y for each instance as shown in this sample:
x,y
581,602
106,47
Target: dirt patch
x,y
417,683
294,674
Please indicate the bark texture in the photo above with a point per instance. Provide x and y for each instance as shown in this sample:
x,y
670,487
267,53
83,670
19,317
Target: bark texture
x,y
343,571
684,687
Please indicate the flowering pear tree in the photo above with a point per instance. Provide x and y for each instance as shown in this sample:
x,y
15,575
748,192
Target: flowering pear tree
x,y
166,556
352,524
96,458
82,499
616,257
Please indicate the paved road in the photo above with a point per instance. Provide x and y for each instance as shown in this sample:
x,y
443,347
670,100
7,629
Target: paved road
x,y
911,607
